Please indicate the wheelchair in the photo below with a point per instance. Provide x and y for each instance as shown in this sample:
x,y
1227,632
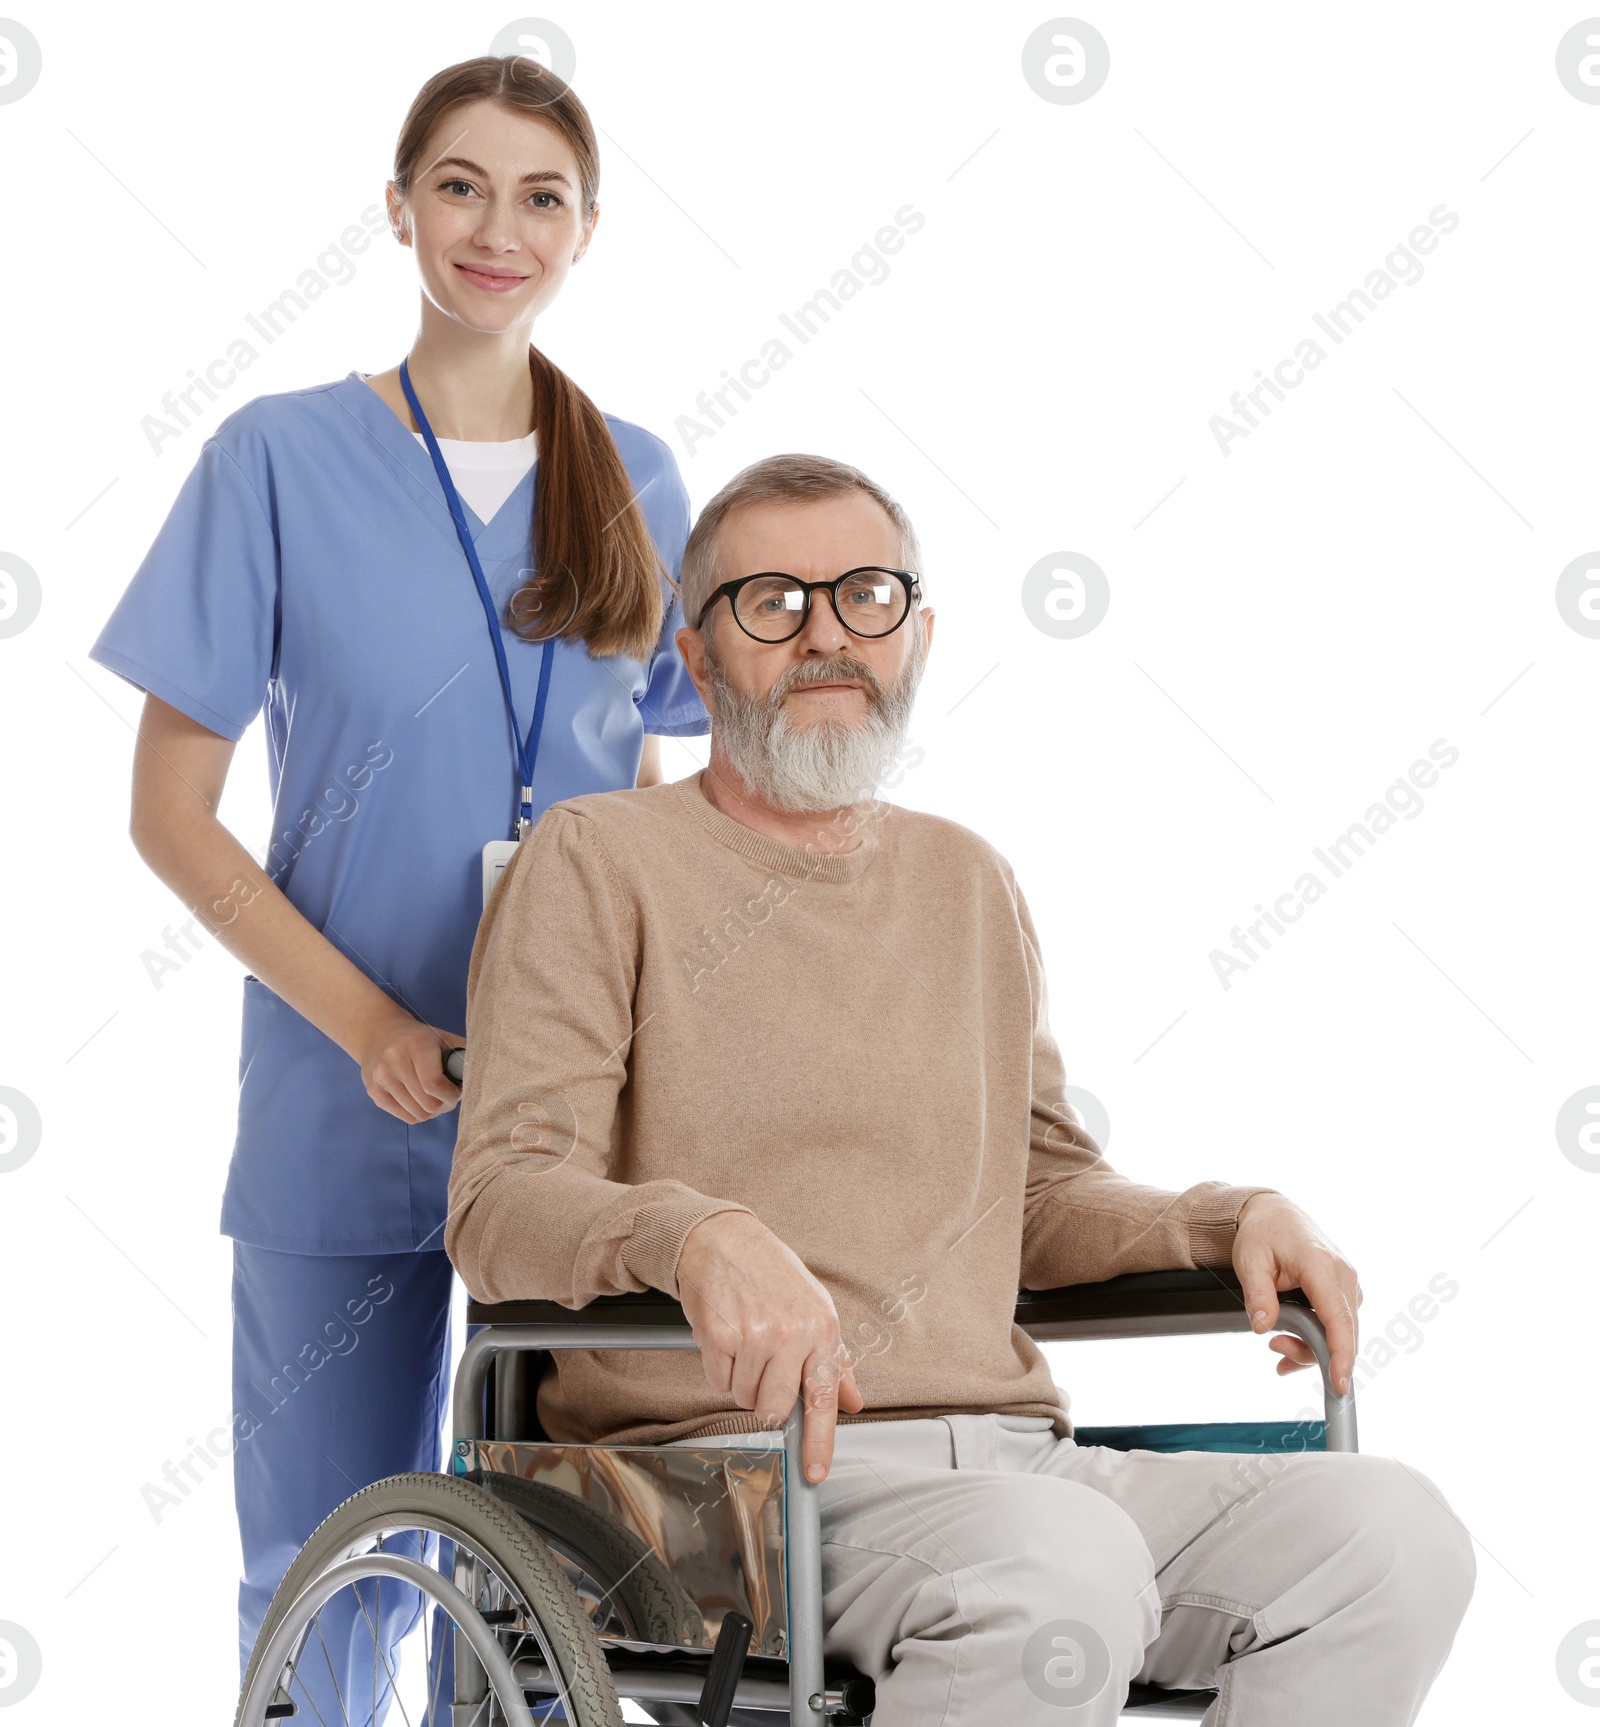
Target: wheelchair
x,y
551,1581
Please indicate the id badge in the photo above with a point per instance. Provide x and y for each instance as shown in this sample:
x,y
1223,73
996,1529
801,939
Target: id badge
x,y
496,855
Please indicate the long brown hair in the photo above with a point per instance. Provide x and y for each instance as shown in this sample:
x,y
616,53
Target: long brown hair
x,y
597,575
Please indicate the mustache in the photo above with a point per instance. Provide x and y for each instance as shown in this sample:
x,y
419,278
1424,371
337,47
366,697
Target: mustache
x,y
826,672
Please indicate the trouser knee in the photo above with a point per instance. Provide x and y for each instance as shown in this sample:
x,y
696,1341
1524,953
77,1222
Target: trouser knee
x,y
1001,1597
1074,1590
1403,1542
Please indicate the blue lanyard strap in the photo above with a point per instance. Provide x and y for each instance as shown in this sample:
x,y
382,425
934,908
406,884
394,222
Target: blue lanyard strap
x,y
527,750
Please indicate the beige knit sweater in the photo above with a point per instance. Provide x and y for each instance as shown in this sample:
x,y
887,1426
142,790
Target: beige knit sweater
x,y
671,1015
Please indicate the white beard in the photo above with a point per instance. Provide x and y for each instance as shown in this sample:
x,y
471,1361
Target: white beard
x,y
827,766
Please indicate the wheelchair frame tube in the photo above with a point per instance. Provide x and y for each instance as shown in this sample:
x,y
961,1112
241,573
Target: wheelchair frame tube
x,y
472,1373
1338,1413
802,1505
802,1555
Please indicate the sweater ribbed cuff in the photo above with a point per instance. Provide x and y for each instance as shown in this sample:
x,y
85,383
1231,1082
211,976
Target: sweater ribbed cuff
x,y
651,1251
1214,1223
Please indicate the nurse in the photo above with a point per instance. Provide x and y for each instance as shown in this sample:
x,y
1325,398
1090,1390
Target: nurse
x,y
448,585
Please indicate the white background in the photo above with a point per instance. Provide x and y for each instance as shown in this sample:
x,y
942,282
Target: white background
x,y
1372,569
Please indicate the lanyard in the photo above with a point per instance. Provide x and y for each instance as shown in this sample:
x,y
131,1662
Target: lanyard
x,y
527,751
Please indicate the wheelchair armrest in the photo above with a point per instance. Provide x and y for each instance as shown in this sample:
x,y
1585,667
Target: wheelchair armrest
x,y
1143,1304
1140,1304
1177,1304
648,1307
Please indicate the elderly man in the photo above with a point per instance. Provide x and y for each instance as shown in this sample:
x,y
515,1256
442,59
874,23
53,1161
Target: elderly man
x,y
781,1050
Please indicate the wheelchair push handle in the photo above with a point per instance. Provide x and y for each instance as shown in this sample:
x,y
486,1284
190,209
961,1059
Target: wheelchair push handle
x,y
455,1063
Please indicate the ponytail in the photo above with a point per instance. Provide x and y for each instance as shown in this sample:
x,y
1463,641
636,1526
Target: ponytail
x,y
597,576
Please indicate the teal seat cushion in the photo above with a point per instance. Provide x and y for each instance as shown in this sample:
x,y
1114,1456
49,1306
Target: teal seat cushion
x,y
1259,1436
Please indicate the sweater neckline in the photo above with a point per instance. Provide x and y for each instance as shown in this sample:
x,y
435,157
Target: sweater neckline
x,y
818,864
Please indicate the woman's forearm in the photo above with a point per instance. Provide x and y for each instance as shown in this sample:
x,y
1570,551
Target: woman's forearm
x,y
239,904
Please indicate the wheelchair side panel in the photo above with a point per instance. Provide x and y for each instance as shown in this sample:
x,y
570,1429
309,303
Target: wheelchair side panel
x,y
714,1518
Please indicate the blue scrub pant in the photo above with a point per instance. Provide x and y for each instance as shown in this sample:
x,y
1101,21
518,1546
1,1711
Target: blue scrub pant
x,y
342,1364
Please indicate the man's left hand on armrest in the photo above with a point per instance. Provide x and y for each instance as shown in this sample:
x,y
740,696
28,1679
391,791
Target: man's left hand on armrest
x,y
1277,1246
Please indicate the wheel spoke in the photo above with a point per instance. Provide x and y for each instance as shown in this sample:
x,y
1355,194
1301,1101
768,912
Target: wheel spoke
x,y
337,1691
378,1652
294,1679
436,1659
297,1680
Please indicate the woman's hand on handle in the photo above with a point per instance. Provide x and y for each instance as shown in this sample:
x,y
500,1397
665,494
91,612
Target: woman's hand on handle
x,y
766,1327
402,1067
179,769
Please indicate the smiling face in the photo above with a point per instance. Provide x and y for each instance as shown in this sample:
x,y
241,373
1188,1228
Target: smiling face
x,y
494,214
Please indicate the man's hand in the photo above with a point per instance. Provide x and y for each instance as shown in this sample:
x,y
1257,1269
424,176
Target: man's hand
x,y
1278,1247
766,1326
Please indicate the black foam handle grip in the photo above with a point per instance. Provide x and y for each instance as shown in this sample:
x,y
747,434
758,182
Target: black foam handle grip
x,y
727,1663
455,1063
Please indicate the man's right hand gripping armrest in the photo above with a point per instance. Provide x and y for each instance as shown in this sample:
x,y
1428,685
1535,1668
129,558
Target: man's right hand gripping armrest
x,y
766,1327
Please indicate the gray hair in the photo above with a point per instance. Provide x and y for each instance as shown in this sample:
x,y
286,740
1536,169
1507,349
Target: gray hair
x,y
785,479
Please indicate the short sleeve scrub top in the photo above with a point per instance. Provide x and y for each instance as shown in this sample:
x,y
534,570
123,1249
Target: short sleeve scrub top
x,y
310,564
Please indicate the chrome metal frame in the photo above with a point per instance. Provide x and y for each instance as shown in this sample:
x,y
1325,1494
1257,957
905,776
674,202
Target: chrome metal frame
x,y
1159,1304
1338,1411
808,1699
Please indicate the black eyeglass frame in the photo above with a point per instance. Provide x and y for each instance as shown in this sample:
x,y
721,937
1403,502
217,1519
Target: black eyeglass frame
x,y
908,579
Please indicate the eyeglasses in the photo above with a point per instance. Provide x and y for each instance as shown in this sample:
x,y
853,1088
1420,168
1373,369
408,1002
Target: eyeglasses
x,y
773,607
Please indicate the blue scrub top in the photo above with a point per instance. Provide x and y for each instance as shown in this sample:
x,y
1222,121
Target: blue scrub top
x,y
310,563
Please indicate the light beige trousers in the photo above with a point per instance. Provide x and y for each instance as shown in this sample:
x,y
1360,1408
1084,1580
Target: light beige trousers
x,y
988,1574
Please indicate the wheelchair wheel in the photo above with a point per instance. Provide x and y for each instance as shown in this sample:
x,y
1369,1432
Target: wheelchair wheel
x,y
623,1584
453,1558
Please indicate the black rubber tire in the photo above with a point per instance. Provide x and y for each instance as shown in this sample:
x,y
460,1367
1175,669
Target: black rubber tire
x,y
649,1600
456,1507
